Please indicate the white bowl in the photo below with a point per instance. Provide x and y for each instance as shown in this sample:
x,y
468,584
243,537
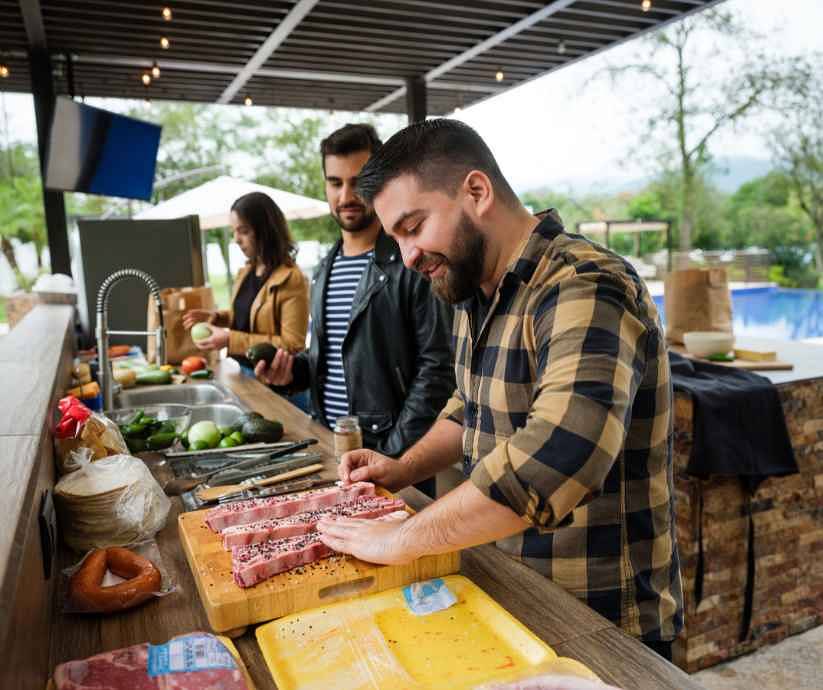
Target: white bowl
x,y
705,343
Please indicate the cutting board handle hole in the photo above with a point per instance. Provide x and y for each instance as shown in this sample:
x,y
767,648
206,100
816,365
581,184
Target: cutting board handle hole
x,y
344,588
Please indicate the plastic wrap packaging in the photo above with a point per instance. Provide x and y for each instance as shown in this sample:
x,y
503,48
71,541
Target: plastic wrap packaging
x,y
148,550
561,673
79,428
111,502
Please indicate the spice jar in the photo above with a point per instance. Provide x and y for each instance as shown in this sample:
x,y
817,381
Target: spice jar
x,y
347,436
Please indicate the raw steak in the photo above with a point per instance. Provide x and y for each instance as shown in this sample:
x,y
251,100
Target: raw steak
x,y
126,669
257,562
256,509
303,523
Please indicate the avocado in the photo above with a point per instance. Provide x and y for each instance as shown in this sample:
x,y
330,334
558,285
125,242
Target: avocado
x,y
262,431
153,377
243,418
261,351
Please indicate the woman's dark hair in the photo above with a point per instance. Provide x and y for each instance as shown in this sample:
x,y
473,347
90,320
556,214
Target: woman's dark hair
x,y
271,231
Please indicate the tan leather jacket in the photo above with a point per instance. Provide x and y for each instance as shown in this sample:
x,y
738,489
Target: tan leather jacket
x,y
279,314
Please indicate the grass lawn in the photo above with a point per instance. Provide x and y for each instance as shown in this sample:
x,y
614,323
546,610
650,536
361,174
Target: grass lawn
x,y
3,318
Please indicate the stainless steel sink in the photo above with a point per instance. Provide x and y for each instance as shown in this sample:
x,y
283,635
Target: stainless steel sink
x,y
222,414
184,394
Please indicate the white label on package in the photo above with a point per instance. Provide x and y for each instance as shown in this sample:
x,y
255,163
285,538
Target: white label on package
x,y
186,654
427,597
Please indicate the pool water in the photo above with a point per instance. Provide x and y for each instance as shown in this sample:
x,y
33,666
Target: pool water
x,y
778,313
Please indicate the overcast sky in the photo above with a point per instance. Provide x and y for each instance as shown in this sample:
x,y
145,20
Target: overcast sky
x,y
553,132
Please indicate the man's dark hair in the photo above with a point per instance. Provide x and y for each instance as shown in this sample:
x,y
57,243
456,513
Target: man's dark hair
x,y
440,153
349,139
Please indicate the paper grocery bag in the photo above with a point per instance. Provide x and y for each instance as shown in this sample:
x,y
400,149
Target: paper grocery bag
x,y
176,302
696,299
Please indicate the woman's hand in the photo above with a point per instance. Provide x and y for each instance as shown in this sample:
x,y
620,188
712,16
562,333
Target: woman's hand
x,y
218,339
193,316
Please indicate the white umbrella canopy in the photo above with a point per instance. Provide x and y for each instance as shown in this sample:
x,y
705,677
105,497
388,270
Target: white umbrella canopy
x,y
212,202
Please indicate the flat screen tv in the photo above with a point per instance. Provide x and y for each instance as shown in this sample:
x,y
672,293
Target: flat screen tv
x,y
98,152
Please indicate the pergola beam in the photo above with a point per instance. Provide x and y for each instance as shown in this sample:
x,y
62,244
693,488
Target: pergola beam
x,y
264,52
476,50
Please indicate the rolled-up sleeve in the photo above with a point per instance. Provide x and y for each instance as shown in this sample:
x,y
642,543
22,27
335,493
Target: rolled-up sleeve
x,y
453,409
590,350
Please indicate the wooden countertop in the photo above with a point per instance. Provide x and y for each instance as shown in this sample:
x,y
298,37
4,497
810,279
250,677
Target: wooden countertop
x,y
563,622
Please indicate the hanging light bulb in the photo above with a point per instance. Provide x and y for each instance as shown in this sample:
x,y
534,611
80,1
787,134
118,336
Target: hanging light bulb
x,y
247,100
561,47
155,70
146,78
646,5
167,13
499,76
4,70
164,43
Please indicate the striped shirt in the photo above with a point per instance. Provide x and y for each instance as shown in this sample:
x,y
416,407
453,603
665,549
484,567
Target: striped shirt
x,y
566,405
344,278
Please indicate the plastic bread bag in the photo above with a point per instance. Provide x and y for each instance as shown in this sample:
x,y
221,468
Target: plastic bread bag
x,y
77,601
194,660
560,673
111,502
79,427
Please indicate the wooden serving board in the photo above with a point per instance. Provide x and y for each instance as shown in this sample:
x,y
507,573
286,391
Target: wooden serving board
x,y
231,608
747,364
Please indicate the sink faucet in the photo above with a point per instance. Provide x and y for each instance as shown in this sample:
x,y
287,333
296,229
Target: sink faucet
x,y
103,332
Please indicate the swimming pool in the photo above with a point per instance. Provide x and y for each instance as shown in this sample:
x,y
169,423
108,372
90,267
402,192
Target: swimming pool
x,y
778,313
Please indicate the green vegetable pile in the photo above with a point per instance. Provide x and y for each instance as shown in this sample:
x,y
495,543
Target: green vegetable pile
x,y
249,428
143,432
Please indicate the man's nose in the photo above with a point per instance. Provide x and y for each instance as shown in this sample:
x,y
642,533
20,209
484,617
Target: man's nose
x,y
348,195
411,254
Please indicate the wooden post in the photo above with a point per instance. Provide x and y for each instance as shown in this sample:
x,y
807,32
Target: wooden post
x,y
416,106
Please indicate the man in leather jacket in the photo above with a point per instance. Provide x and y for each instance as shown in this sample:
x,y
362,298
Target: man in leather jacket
x,y
380,342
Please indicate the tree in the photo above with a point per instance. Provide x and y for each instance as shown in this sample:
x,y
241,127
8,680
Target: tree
x,y
798,146
692,105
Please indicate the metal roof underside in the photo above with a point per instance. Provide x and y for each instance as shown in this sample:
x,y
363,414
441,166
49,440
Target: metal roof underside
x,y
325,54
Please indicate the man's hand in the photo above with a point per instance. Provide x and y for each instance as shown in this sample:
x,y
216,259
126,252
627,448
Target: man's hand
x,y
193,316
218,339
279,372
369,466
376,541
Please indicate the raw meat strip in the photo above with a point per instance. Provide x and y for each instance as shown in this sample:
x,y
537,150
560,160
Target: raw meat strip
x,y
257,562
256,509
303,523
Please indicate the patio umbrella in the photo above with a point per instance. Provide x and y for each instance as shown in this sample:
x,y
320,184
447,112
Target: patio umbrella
x,y
212,202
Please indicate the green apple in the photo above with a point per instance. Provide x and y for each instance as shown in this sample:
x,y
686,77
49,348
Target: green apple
x,y
200,331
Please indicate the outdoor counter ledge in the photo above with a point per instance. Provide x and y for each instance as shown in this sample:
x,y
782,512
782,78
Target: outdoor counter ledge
x,y
35,635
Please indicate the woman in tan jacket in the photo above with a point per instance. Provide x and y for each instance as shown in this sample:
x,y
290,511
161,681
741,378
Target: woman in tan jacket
x,y
270,296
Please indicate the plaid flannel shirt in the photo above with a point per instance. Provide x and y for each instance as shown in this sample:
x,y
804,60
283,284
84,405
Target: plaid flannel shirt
x,y
566,405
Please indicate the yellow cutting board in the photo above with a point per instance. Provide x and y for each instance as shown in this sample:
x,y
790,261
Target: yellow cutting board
x,y
376,642
230,608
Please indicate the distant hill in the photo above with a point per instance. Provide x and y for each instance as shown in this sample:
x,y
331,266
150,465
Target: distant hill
x,y
728,173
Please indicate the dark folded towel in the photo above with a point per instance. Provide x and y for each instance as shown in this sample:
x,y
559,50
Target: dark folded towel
x,y
738,430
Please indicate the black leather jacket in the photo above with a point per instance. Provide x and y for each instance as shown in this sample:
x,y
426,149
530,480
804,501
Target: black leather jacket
x,y
396,355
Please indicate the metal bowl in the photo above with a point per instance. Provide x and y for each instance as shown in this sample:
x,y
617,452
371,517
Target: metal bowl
x,y
180,415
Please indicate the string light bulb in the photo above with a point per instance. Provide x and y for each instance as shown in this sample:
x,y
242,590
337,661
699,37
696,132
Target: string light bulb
x,y
146,78
247,100
4,71
561,48
164,43
155,70
167,13
646,5
499,76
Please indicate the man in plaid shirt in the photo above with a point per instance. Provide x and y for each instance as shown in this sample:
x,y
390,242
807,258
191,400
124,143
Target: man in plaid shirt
x,y
562,415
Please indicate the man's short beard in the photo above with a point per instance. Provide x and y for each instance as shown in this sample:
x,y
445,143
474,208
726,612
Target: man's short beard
x,y
462,276
364,223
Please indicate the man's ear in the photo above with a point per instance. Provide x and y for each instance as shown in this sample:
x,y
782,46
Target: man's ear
x,y
479,192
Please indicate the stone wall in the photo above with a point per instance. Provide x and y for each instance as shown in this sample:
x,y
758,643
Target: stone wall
x,y
788,545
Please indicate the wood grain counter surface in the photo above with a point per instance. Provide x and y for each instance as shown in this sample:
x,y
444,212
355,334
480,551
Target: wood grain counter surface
x,y
563,622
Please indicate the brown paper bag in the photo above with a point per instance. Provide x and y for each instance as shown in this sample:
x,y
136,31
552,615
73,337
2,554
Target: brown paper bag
x,y
176,302
696,299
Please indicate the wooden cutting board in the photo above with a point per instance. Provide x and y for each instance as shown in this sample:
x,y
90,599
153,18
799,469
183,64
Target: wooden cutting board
x,y
746,364
231,608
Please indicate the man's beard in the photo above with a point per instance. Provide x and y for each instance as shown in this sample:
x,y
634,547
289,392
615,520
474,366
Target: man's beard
x,y
465,270
365,220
